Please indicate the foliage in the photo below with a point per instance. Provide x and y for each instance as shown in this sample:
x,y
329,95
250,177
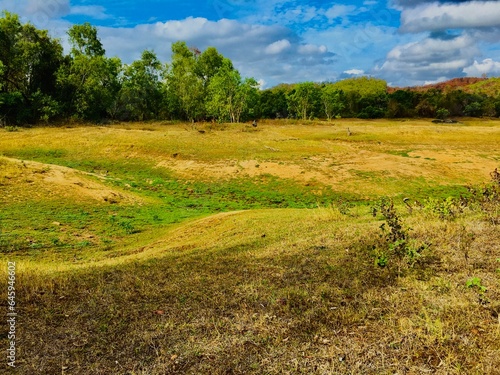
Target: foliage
x,y
442,113
395,237
29,60
333,101
303,100
476,284
38,83
140,95
185,88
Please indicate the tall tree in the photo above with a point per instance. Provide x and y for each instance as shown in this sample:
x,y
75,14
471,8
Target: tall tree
x,y
303,100
89,77
30,59
208,64
141,91
184,85
332,100
222,101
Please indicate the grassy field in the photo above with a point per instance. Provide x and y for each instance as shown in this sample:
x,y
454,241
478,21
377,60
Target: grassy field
x,y
160,248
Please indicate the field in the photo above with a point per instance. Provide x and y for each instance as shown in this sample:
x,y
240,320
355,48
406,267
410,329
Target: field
x,y
172,248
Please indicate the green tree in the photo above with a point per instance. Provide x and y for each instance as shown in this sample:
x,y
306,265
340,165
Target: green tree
x,y
90,80
84,41
30,59
333,101
224,94
141,92
208,64
303,100
246,100
273,102
402,103
185,89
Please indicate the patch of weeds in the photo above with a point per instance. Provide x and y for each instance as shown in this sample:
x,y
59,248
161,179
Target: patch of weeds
x,y
128,227
84,243
445,208
344,206
487,198
11,129
476,284
395,238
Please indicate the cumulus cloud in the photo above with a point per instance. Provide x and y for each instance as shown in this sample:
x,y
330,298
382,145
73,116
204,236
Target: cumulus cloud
x,y
267,52
311,49
442,54
278,47
435,16
354,72
430,58
487,66
339,11
94,11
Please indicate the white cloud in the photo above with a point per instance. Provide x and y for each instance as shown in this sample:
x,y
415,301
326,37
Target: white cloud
x,y
94,11
278,47
354,72
272,53
310,49
434,16
429,58
487,66
339,11
50,8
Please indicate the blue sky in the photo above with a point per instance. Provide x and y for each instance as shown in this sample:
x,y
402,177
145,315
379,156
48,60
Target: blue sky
x,y
406,42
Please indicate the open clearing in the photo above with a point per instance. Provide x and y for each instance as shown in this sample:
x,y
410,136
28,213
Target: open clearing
x,y
160,249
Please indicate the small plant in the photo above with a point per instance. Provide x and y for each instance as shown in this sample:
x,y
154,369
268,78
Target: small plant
x,y
12,128
487,198
344,206
476,283
128,227
396,237
446,209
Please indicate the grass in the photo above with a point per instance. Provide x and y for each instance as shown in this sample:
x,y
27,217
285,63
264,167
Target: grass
x,y
154,249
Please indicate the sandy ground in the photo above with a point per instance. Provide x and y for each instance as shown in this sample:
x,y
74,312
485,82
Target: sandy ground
x,y
459,166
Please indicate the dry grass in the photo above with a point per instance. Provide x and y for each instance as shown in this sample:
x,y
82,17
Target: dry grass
x,y
268,291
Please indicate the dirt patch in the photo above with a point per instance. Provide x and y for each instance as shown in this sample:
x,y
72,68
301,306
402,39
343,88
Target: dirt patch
x,y
34,179
341,168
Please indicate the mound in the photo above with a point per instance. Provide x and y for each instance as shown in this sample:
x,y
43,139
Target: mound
x,y
21,179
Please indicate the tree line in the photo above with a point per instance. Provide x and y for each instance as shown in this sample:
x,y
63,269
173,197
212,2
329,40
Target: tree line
x,y
39,83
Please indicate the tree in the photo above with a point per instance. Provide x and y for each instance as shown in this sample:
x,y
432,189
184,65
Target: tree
x,y
442,113
90,80
273,102
332,100
358,92
223,94
246,99
185,87
402,103
208,64
141,91
303,100
30,59
84,41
